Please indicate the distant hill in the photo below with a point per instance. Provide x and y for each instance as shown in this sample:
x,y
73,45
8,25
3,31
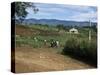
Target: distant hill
x,y
55,22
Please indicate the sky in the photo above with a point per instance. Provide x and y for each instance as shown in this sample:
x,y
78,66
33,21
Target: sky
x,y
63,12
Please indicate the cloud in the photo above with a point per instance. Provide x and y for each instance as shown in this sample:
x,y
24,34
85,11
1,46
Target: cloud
x,y
64,12
83,17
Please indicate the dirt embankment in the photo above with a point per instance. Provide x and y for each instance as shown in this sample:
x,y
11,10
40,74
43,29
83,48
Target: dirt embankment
x,y
23,30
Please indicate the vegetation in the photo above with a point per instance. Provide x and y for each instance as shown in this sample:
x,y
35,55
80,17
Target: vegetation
x,y
76,45
81,48
20,12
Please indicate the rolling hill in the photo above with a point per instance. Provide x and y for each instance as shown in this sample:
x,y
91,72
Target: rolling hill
x,y
54,22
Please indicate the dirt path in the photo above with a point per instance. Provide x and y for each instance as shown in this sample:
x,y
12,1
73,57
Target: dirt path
x,y
44,59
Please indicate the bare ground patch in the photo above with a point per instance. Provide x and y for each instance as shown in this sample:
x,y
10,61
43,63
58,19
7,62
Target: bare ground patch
x,y
44,59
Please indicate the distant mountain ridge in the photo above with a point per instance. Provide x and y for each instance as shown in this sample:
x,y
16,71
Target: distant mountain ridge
x,y
55,22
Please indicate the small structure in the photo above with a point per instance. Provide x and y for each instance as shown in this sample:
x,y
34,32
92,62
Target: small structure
x,y
73,30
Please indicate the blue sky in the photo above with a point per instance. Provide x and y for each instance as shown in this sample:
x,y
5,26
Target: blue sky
x,y
63,12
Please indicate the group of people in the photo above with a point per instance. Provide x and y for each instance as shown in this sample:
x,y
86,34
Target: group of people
x,y
54,43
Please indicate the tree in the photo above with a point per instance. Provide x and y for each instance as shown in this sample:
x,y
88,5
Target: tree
x,y
62,27
20,10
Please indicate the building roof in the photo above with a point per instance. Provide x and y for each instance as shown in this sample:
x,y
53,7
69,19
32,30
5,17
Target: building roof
x,y
73,29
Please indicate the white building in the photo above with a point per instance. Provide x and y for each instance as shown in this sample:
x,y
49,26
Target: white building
x,y
73,30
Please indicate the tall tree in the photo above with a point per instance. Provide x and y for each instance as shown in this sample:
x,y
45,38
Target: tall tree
x,y
20,9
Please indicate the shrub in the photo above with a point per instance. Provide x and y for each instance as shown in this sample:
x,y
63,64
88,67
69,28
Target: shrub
x,y
81,48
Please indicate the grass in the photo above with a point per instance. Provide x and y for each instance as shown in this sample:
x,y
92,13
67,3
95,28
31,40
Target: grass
x,y
24,40
44,27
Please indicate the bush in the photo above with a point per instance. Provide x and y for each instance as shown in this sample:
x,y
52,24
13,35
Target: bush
x,y
81,48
